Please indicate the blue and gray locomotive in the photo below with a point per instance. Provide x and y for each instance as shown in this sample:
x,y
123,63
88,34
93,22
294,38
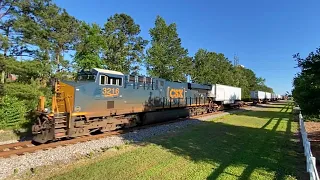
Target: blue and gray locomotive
x,y
104,100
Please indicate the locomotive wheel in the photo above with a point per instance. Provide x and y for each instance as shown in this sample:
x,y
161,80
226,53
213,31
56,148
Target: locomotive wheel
x,y
133,121
44,136
46,132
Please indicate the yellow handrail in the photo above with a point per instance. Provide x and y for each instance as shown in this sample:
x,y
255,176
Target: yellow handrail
x,y
69,111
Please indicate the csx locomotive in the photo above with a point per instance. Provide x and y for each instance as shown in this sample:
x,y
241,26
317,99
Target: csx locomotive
x,y
104,100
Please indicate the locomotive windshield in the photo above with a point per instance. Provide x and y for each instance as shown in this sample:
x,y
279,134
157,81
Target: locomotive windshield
x,y
86,76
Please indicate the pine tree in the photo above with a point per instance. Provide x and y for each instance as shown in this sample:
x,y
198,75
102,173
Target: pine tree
x,y
44,25
123,48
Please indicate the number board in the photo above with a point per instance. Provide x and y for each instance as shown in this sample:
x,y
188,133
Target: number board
x,y
110,92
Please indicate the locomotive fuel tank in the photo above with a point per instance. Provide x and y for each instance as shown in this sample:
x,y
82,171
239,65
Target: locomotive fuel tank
x,y
162,116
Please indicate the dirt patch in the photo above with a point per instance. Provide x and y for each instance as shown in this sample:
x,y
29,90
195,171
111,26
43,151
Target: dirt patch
x,y
313,130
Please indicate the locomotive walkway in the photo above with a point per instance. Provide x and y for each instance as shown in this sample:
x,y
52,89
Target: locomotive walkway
x,y
258,143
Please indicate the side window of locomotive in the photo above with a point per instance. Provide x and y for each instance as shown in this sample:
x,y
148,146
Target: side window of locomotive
x,y
115,81
110,81
103,79
119,81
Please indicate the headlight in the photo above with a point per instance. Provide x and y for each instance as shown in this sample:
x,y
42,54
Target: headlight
x,y
45,110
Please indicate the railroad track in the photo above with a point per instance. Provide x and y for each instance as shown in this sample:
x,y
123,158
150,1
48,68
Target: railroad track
x,y
25,147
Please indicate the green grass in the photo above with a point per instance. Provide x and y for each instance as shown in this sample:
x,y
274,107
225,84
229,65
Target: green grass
x,y
8,135
255,144
17,134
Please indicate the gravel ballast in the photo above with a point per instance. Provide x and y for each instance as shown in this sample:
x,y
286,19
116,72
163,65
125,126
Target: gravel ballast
x,y
68,153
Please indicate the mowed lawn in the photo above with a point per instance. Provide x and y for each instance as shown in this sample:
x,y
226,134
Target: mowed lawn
x,y
255,144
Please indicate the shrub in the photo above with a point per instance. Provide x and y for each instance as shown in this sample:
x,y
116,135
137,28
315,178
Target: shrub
x,y
29,93
12,113
1,89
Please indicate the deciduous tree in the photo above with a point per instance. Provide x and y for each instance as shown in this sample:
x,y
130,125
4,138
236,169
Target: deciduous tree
x,y
215,68
166,58
88,51
306,84
212,68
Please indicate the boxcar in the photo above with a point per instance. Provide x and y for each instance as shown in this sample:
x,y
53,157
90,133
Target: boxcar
x,y
268,96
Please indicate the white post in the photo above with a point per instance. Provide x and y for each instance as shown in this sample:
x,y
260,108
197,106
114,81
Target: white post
x,y
316,176
308,164
311,161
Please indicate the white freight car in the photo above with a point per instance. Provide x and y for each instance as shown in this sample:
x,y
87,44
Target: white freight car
x,y
268,96
257,95
278,96
225,94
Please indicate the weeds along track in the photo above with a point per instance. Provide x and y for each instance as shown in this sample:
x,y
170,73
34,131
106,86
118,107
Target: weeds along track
x,y
24,147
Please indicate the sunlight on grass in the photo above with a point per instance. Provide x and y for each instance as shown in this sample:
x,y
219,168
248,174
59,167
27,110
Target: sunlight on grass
x,y
255,144
233,171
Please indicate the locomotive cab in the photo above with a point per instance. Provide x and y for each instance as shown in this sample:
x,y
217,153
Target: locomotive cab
x,y
110,83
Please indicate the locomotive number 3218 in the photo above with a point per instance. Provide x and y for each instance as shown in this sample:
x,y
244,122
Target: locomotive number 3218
x,y
110,92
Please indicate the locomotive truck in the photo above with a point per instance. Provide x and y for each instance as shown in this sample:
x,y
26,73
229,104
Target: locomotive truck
x,y
104,100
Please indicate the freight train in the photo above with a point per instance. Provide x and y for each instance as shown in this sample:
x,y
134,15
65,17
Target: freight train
x,y
263,97
102,100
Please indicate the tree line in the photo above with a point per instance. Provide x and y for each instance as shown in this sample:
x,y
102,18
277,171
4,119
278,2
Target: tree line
x,y
306,83
35,35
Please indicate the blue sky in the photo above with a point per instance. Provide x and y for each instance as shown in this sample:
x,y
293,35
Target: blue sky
x,y
264,35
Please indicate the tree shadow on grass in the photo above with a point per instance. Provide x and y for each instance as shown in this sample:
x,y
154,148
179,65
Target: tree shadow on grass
x,y
276,105
280,103
229,145
282,113
275,151
224,147
268,106
261,114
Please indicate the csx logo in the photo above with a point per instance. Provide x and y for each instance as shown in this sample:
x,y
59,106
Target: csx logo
x,y
176,93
